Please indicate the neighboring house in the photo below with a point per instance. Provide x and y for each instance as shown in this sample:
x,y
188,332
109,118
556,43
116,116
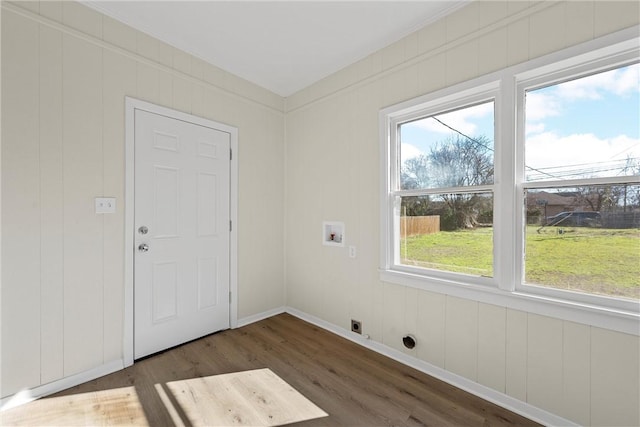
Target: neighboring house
x,y
543,204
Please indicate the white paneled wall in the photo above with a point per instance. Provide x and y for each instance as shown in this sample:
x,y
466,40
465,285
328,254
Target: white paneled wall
x,y
66,70
581,373
21,191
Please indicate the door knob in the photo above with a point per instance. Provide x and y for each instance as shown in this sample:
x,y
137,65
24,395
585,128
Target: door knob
x,y
143,247
143,230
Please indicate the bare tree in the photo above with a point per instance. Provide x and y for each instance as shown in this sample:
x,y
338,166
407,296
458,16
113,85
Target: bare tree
x,y
457,161
415,173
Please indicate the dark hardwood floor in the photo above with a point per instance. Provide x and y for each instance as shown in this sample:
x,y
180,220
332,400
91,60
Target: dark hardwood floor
x,y
355,386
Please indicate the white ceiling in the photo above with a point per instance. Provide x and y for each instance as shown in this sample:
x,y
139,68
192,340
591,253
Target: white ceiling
x,y
283,46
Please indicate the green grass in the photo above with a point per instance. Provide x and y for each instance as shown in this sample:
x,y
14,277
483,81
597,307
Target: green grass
x,y
467,251
594,260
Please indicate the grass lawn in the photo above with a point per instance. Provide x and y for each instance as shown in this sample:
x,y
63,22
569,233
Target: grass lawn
x,y
595,260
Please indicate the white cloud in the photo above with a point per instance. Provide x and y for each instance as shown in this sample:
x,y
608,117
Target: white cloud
x,y
535,128
589,155
408,151
620,82
462,120
541,105
550,101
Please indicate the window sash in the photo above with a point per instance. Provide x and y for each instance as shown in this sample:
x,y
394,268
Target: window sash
x,y
571,69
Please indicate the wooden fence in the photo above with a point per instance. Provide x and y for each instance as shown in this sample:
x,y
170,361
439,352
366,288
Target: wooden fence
x,y
415,225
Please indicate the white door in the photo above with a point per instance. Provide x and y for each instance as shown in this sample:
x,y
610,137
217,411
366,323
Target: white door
x,y
181,266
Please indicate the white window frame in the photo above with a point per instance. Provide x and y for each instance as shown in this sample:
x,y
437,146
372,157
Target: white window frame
x,y
507,88
434,104
613,58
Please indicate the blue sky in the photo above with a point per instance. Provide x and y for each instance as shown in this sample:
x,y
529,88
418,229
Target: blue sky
x,y
419,136
579,129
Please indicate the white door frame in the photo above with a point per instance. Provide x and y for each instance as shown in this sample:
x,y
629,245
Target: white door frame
x,y
132,104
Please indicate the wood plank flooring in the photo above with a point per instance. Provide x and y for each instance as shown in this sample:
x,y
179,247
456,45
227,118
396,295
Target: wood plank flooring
x,y
355,386
249,398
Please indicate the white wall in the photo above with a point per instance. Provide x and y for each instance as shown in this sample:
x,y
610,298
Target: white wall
x,y
582,373
65,72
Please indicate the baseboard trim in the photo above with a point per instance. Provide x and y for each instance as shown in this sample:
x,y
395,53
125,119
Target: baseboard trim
x,y
519,407
260,316
507,402
29,395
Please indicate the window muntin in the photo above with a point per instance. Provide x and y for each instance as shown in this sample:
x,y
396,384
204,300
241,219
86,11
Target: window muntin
x,y
584,239
447,231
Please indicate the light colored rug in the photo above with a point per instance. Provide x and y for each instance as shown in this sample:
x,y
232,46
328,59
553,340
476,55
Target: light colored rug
x,y
249,398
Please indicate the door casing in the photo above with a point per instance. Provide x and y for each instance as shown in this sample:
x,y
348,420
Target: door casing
x,y
132,104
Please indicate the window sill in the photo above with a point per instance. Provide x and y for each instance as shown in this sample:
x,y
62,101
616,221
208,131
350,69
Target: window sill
x,y
602,317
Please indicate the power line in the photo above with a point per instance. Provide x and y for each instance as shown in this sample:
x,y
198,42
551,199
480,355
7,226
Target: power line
x,y
559,174
591,163
485,146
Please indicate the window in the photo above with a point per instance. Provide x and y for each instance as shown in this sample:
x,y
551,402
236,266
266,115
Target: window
x,y
522,186
445,190
443,185
581,159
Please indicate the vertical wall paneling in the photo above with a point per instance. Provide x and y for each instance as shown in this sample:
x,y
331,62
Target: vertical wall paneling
x,y
580,19
83,229
461,337
493,48
536,359
543,41
148,84
432,73
491,346
431,332
147,46
462,23
615,378
516,355
197,100
80,17
119,34
576,372
462,62
393,316
119,80
544,362
518,41
181,95
63,95
51,9
411,316
614,15
52,205
21,192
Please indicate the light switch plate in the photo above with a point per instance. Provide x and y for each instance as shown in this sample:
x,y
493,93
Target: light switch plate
x,y
105,205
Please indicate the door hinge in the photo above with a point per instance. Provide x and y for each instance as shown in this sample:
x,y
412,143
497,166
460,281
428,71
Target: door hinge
x,y
229,297
230,154
230,225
